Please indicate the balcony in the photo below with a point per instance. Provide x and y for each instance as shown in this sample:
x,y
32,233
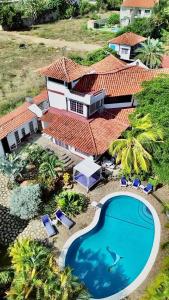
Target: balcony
x,y
87,99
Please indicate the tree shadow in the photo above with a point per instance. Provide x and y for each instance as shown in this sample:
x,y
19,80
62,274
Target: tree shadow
x,y
96,272
10,226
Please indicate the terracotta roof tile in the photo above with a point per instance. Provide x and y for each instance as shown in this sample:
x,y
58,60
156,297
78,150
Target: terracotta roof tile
x,y
15,119
165,61
107,65
41,97
127,81
64,69
91,136
19,115
139,3
128,38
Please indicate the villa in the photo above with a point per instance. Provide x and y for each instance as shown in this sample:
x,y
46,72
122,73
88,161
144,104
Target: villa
x,y
132,9
83,109
126,44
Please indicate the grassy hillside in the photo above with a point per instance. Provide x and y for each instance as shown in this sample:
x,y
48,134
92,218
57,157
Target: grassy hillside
x,y
71,30
17,71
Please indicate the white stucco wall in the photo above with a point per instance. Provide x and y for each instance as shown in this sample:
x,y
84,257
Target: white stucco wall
x,y
127,14
11,136
57,100
2,153
119,50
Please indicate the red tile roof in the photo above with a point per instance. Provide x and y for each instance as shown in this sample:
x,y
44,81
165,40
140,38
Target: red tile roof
x,y
139,3
106,65
19,115
41,97
126,81
64,69
15,119
91,136
128,38
165,61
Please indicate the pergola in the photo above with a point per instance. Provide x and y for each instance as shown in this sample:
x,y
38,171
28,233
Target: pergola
x,y
87,173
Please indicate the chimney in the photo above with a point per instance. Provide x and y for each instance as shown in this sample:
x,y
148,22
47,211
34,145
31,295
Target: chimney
x,y
29,99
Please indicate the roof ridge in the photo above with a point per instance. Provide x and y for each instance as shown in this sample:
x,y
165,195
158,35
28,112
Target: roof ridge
x,y
64,67
93,140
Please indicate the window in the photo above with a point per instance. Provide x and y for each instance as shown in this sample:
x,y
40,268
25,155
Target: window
x,y
80,108
31,127
76,107
147,11
23,132
72,105
17,137
124,51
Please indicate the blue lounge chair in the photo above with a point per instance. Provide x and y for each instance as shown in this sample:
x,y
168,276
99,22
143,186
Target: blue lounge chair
x,y
123,181
48,225
64,219
136,183
148,189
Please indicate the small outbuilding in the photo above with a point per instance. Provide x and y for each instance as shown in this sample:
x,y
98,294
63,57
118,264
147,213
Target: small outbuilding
x,y
87,173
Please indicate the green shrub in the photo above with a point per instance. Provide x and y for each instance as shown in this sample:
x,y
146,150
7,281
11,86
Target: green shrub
x,y
25,201
12,17
113,19
85,7
71,203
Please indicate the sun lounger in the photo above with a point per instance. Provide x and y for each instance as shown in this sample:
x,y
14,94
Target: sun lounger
x,y
48,225
148,189
123,181
136,183
64,219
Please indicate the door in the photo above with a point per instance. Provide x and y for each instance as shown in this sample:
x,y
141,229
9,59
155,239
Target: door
x,y
5,145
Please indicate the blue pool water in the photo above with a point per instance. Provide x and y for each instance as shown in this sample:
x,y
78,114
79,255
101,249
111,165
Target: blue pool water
x,y
125,231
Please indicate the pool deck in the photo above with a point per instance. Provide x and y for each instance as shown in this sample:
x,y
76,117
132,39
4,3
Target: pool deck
x,y
35,228
86,218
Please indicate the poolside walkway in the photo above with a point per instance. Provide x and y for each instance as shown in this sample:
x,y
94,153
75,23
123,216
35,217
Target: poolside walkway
x,y
35,230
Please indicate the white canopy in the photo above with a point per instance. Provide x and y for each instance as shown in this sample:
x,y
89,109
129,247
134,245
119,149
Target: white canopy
x,y
87,167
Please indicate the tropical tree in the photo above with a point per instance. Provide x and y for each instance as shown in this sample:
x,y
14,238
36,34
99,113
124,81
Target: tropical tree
x,y
135,150
12,166
151,53
71,203
37,276
48,167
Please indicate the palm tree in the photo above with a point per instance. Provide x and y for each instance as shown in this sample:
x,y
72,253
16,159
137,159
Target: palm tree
x,y
135,151
49,167
151,53
70,287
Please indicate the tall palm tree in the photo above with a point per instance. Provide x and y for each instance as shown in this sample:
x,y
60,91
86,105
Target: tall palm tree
x,y
136,149
151,53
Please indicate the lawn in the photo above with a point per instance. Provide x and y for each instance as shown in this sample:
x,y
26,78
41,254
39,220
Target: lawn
x,y
71,30
17,76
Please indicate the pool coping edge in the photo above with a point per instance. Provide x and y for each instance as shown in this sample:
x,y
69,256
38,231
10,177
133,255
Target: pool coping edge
x,y
154,251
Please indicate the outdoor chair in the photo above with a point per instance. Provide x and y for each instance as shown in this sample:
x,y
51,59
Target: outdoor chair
x,y
148,189
50,229
123,181
136,183
66,221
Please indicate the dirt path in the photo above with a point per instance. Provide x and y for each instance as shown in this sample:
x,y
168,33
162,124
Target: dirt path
x,y
58,43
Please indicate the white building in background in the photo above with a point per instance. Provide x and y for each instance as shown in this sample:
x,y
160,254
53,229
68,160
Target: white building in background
x,y
132,9
126,44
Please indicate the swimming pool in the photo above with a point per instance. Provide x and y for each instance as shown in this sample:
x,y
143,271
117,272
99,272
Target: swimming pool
x,y
115,253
